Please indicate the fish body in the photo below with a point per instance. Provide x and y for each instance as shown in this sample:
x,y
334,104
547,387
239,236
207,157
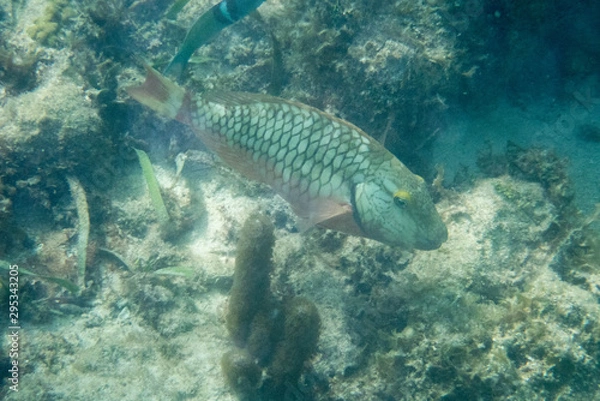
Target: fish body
x,y
332,173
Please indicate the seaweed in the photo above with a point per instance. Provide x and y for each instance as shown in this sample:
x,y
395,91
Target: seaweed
x,y
46,28
110,19
153,188
115,256
547,168
66,284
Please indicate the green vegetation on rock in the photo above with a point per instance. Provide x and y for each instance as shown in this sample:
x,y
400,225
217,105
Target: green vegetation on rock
x,y
46,27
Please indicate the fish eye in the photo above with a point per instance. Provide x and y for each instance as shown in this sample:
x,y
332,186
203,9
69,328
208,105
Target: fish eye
x,y
401,198
401,203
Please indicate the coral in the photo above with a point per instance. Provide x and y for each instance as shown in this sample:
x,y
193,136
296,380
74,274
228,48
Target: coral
x,y
251,282
277,336
300,335
265,331
241,372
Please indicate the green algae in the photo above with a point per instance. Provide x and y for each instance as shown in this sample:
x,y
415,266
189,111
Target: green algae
x,y
66,284
46,28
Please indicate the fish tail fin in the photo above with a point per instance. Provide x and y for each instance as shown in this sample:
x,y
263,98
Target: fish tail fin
x,y
159,93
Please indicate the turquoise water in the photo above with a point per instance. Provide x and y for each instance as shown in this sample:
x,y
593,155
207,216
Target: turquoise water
x,y
496,105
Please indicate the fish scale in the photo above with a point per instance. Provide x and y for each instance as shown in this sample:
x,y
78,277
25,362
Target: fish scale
x,y
330,171
294,147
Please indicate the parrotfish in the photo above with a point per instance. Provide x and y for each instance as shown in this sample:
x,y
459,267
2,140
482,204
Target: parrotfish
x,y
332,173
206,27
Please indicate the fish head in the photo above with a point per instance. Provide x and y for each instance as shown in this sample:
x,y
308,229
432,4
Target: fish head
x,y
394,207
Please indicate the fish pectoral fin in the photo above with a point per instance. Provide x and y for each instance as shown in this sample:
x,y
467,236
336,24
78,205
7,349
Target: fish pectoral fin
x,y
335,216
315,213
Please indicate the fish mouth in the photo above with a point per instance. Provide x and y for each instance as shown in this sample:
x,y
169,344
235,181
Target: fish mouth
x,y
435,241
429,245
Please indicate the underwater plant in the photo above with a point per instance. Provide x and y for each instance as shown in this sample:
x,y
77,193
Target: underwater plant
x,y
66,284
46,28
153,187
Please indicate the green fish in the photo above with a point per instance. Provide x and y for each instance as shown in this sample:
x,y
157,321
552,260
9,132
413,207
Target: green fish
x,y
332,173
206,27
